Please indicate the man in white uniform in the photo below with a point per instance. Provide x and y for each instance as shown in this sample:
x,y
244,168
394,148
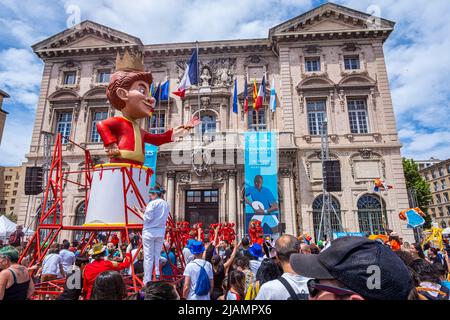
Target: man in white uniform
x,y
155,217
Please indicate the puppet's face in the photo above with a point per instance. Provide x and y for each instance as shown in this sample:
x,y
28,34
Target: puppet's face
x,y
138,102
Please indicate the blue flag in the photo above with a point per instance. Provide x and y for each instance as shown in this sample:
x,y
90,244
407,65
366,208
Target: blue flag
x,y
235,98
157,94
192,65
165,91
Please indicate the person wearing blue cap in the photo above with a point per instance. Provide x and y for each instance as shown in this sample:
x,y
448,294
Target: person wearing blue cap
x,y
199,276
188,256
153,232
257,254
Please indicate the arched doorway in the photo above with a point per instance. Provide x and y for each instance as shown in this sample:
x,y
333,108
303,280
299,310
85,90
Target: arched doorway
x,y
369,214
335,218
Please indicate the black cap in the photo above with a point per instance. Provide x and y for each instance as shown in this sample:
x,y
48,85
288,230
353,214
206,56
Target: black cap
x,y
348,260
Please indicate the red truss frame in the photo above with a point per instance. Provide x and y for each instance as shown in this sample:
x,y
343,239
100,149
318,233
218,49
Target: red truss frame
x,y
51,224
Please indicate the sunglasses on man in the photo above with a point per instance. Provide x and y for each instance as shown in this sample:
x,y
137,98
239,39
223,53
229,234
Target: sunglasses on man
x,y
314,287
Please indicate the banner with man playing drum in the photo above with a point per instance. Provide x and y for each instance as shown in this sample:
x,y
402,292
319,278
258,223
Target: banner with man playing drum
x,y
261,181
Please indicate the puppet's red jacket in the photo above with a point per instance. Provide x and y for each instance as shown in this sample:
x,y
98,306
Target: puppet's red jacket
x,y
130,138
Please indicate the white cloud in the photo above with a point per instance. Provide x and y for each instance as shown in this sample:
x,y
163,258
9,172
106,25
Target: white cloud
x,y
418,62
179,20
20,76
16,140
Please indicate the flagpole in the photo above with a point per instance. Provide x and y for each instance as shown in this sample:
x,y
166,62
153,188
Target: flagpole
x,y
198,89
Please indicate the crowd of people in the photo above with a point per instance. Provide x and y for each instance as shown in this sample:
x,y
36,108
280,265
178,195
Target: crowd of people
x,y
290,268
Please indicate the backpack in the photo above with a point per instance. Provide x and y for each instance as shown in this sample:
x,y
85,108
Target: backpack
x,y
203,285
292,294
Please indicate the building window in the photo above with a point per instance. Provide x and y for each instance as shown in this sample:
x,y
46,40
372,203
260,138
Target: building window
x,y
157,123
445,197
448,210
13,201
80,217
96,117
103,76
357,113
316,116
194,196
211,196
16,184
14,193
441,212
448,169
317,212
64,125
370,218
436,188
8,178
312,64
69,78
444,185
351,63
441,172
438,199
257,120
433,174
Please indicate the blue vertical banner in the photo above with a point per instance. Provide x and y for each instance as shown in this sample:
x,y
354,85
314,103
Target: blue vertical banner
x,y
151,155
261,180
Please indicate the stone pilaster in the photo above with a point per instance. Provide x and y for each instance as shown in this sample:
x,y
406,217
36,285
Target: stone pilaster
x,y
286,90
232,217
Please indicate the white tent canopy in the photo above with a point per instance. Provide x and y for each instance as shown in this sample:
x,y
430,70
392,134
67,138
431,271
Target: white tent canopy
x,y
7,227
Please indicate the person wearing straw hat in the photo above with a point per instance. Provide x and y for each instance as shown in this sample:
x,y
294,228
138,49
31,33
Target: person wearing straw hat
x,y
99,265
153,232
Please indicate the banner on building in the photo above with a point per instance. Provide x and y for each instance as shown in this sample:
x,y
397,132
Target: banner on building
x,y
261,181
151,155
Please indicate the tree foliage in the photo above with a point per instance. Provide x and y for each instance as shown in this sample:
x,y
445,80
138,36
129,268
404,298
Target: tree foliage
x,y
418,187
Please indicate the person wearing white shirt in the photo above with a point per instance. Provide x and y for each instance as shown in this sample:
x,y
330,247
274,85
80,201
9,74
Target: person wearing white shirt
x,y
153,232
52,267
67,257
192,273
290,286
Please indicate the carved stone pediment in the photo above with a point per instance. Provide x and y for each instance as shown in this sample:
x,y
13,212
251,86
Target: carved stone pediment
x,y
330,17
87,34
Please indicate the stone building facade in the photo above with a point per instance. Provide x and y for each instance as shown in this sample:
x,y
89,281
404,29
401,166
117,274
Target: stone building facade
x,y
11,189
438,177
327,63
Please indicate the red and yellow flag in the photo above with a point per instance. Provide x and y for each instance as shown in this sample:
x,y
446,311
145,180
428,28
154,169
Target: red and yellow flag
x,y
255,94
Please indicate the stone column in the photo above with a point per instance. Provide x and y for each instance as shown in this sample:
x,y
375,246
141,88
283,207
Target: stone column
x,y
171,192
232,215
288,200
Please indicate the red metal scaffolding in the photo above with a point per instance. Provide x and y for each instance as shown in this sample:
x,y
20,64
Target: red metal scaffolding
x,y
51,223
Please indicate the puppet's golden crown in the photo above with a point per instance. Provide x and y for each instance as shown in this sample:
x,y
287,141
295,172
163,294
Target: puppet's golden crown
x,y
130,61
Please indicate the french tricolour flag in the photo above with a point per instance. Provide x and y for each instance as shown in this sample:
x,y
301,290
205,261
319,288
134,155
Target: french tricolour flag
x,y
190,76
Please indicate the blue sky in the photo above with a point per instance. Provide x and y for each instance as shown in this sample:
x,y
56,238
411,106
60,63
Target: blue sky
x,y
417,53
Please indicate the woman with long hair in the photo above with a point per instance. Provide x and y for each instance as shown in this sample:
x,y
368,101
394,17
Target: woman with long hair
x,y
109,285
236,286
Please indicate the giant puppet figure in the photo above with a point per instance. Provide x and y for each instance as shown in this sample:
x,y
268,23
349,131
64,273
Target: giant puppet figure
x,y
113,189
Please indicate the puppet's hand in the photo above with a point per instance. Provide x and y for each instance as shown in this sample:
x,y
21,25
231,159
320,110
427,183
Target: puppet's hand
x,y
181,131
112,150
